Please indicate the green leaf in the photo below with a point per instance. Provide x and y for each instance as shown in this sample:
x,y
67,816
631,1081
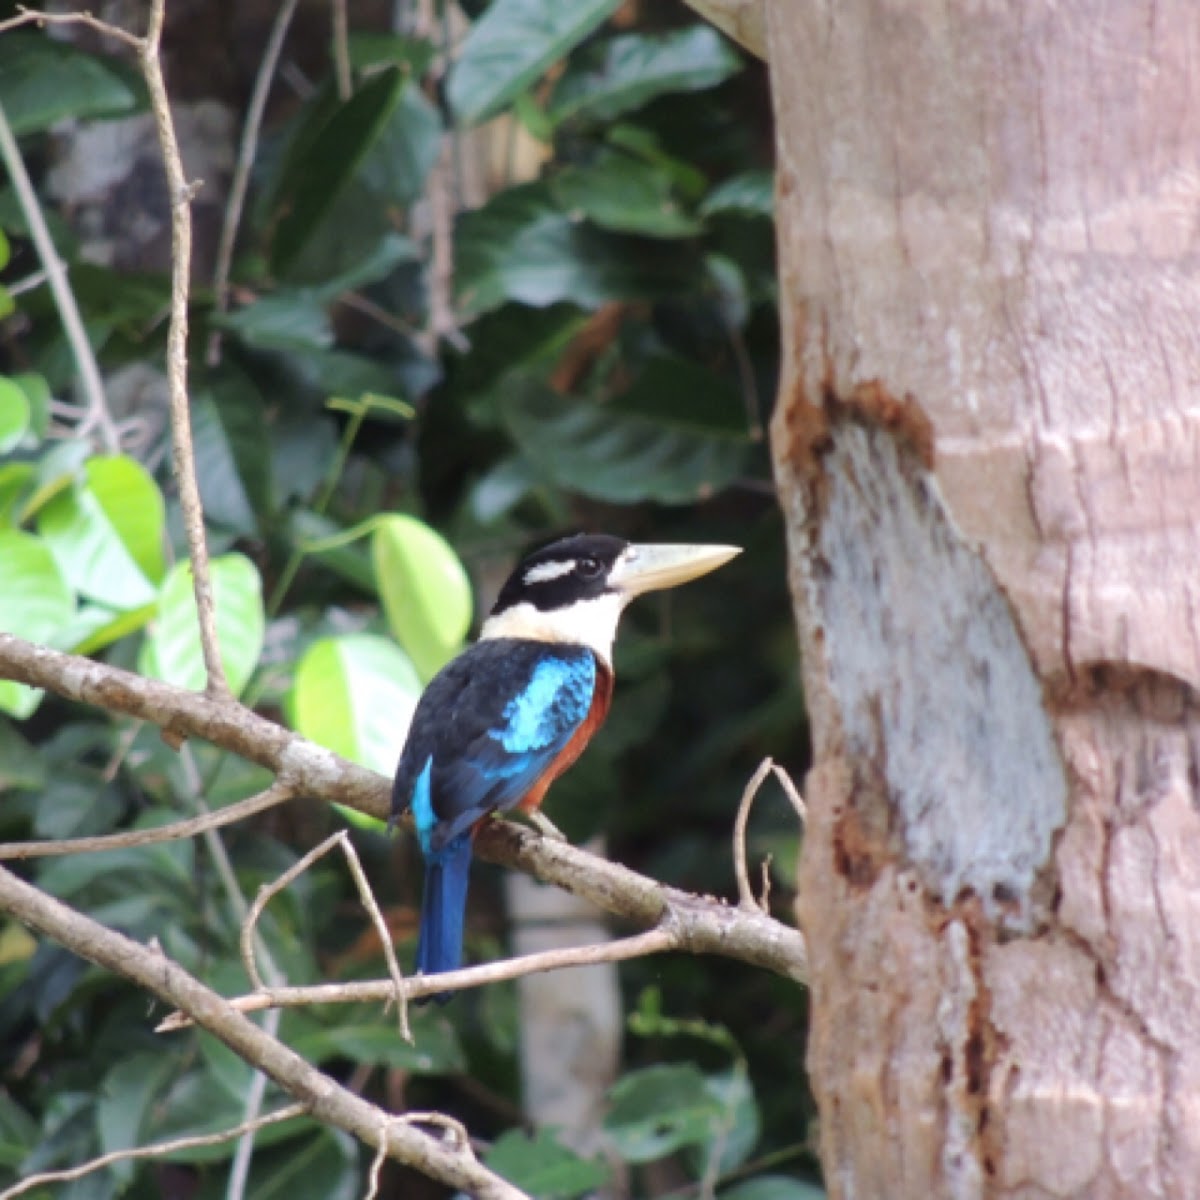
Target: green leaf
x,y
773,1187
95,626
371,1038
5,250
14,415
739,1128
8,305
752,193
19,1133
22,768
15,481
44,80
542,1166
330,156
56,471
627,196
658,1110
425,590
107,533
37,392
355,695
512,45
35,602
521,246
233,452
298,317
172,650
613,453
125,1095
622,73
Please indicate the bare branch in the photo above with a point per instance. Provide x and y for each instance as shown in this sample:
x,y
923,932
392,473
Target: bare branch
x,y
793,793
277,793
240,183
341,839
180,193
653,941
320,1095
33,16
96,414
158,1150
746,898
704,926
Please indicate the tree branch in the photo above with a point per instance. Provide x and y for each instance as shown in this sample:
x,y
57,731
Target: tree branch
x,y
374,991
700,925
96,414
322,1096
158,1150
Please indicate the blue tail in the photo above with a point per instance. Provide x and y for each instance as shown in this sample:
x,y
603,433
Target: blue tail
x,y
443,908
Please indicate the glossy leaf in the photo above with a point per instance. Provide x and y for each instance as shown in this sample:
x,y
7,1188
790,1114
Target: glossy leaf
x,y
172,649
659,1110
44,80
14,415
425,590
512,45
614,453
233,454
35,601
626,196
37,392
752,194
16,479
522,246
107,533
355,695
330,157
622,73
125,1096
542,1166
57,469
22,768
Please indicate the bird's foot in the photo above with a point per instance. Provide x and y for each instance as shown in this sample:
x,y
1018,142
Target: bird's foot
x,y
545,826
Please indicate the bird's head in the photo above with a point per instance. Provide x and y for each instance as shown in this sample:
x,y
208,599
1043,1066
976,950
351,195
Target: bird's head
x,y
574,590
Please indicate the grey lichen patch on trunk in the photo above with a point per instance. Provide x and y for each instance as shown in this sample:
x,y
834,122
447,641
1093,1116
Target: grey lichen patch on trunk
x,y
935,693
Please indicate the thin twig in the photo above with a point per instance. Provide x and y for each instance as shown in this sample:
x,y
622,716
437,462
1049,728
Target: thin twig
x,y
653,941
33,16
279,792
239,185
322,1096
97,413
268,890
158,1150
341,50
793,793
181,193
705,926
746,898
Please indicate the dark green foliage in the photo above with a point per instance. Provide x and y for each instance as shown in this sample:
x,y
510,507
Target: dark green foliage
x,y
612,368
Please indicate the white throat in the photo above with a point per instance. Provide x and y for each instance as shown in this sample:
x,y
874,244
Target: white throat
x,y
591,623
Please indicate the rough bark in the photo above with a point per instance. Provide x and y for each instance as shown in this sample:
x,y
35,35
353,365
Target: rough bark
x,y
988,447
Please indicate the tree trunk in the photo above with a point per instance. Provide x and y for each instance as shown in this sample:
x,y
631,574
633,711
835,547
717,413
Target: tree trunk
x,y
988,449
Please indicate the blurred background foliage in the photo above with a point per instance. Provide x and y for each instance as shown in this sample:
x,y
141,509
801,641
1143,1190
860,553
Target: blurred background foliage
x,y
472,306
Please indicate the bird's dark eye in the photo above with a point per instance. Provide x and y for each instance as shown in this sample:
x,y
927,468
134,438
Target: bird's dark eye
x,y
589,568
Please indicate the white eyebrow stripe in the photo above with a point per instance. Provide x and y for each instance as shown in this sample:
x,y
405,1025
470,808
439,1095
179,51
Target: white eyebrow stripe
x,y
544,572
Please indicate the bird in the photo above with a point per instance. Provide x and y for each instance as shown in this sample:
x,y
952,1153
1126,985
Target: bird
x,y
506,717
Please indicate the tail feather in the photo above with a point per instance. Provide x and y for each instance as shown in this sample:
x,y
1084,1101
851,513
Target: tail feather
x,y
443,908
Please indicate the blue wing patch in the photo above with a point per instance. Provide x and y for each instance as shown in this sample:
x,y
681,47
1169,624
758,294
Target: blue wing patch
x,y
486,730
422,808
550,707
